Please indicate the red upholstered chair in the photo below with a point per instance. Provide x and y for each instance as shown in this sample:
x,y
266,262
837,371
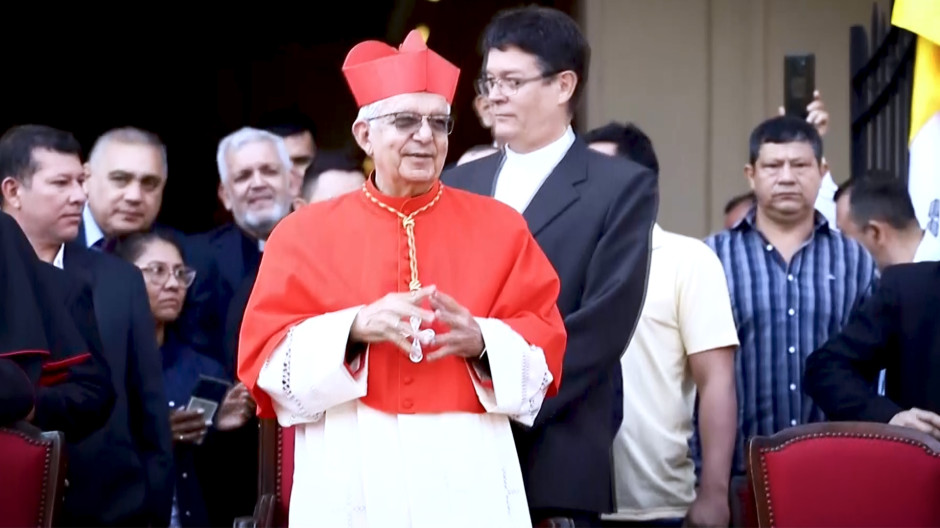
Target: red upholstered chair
x,y
32,465
275,475
846,474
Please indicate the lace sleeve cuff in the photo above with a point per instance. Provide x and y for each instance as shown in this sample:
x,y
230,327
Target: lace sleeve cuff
x,y
307,373
518,377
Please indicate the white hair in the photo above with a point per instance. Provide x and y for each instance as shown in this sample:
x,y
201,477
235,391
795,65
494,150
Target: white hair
x,y
128,135
245,136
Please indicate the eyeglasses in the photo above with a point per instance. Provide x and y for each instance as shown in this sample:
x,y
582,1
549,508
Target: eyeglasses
x,y
158,273
485,85
410,122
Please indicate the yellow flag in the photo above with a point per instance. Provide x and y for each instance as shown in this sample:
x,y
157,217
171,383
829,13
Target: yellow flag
x,y
923,18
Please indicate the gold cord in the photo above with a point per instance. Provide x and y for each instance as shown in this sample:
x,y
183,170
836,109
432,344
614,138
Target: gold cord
x,y
408,222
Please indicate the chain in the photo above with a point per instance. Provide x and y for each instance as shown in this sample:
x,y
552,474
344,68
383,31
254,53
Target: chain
x,y
408,222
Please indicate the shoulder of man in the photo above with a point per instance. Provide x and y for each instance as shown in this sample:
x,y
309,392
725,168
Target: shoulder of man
x,y
70,286
863,261
213,235
200,249
911,276
458,175
615,172
485,212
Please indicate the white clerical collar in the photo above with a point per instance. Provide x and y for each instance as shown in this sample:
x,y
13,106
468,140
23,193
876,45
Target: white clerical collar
x,y
93,232
545,158
261,246
59,260
929,248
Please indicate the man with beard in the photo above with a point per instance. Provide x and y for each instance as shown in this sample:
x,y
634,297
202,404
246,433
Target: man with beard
x,y
255,186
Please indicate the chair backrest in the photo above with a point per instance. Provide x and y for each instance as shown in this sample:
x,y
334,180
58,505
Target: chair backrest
x,y
33,467
846,474
276,475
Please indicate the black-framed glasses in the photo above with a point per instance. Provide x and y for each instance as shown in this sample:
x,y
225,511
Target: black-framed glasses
x,y
158,273
410,122
507,86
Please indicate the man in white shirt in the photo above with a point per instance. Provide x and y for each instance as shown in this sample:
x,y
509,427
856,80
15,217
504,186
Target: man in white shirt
x,y
877,211
685,340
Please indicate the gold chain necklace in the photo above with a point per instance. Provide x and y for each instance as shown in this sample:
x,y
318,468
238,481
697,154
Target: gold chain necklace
x,y
408,222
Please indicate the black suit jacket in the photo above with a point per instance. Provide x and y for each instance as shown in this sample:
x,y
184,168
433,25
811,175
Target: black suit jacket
x,y
896,329
69,394
593,217
122,474
75,395
223,258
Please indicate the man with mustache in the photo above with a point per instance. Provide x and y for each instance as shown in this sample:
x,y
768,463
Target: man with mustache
x,y
121,474
256,187
794,280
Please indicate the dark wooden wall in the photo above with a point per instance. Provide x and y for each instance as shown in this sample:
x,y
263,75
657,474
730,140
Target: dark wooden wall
x,y
195,73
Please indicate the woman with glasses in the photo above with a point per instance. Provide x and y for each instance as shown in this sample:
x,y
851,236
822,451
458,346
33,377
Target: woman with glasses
x,y
167,278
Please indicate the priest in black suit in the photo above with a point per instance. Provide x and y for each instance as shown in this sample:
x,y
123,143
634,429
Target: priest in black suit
x,y
593,216
121,475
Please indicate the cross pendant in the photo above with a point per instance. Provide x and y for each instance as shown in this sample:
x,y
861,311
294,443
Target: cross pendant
x,y
420,337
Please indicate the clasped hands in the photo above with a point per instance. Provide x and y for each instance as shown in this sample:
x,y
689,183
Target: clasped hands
x,y
388,320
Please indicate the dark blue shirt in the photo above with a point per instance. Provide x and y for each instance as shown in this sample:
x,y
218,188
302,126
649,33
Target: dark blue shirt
x,y
783,312
182,367
181,370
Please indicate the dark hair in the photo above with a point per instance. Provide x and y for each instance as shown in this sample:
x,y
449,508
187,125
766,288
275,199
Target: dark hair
x,y
328,160
551,35
877,196
847,185
740,199
288,122
632,143
18,144
131,247
843,188
785,129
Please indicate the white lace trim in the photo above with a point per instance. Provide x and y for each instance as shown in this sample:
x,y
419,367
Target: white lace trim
x,y
519,374
304,415
306,374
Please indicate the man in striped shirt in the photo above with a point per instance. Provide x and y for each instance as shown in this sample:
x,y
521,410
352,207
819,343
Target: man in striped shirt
x,y
793,280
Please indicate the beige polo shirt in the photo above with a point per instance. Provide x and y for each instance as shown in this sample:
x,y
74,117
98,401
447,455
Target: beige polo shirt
x,y
687,310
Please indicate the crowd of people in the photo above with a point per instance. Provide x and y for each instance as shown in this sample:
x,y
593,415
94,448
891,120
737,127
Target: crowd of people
x,y
509,341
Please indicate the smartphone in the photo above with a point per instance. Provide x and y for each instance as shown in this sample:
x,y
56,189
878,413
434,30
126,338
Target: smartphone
x,y
208,396
799,83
